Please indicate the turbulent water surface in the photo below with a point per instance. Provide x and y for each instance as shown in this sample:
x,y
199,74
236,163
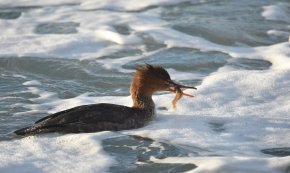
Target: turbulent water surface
x,y
55,55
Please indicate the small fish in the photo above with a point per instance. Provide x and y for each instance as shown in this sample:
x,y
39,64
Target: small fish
x,y
178,96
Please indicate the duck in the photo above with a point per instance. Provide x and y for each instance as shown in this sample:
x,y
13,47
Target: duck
x,y
147,80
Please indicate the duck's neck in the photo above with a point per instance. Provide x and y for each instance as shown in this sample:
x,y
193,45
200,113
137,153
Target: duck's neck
x,y
141,94
141,101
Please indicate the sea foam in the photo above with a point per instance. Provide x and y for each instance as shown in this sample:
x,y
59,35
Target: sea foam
x,y
235,114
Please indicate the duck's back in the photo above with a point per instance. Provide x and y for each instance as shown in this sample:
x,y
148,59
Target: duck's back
x,y
90,118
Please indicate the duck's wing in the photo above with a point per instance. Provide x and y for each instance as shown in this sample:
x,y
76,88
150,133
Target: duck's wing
x,y
95,113
87,118
60,113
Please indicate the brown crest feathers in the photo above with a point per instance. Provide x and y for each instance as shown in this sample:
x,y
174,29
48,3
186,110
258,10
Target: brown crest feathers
x,y
150,70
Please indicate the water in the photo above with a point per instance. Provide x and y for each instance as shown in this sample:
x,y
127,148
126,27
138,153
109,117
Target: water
x,y
57,55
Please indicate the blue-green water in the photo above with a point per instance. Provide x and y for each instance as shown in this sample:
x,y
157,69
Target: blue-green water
x,y
60,55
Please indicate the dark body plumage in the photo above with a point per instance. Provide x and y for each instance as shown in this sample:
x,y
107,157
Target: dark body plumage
x,y
147,80
90,118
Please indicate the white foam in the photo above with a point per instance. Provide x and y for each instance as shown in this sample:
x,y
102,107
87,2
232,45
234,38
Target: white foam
x,y
231,164
18,37
279,12
26,3
129,5
278,54
238,100
278,33
249,108
54,153
177,75
95,35
32,83
241,100
118,38
118,63
234,113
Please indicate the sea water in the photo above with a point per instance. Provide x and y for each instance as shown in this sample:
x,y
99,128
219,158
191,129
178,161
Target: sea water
x,y
56,55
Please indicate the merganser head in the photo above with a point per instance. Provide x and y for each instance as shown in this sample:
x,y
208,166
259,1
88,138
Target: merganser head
x,y
149,79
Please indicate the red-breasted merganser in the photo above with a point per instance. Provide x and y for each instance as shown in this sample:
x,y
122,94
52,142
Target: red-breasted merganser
x,y
147,80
